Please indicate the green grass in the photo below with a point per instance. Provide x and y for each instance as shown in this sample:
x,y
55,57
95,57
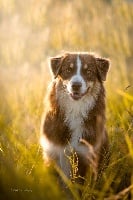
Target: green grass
x,y
31,31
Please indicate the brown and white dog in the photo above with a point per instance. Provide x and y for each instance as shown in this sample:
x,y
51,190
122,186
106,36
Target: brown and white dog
x,y
74,116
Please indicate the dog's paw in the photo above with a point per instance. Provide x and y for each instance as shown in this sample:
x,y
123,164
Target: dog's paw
x,y
91,156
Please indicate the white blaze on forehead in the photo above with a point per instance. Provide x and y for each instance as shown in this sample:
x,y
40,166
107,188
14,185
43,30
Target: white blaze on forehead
x,y
77,77
79,64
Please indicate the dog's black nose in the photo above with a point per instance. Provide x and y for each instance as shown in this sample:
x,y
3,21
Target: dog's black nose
x,y
76,86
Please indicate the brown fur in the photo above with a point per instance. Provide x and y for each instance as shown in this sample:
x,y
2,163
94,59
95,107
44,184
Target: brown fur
x,y
54,127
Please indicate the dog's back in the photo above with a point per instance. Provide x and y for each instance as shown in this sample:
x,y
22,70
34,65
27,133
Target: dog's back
x,y
74,121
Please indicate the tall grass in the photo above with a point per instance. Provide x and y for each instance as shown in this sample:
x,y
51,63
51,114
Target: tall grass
x,y
30,31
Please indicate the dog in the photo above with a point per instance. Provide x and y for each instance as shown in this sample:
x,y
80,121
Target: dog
x,y
74,119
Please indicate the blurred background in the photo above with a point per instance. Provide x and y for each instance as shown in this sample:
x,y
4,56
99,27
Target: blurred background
x,y
30,32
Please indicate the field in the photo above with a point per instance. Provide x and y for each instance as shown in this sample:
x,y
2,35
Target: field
x,y
30,32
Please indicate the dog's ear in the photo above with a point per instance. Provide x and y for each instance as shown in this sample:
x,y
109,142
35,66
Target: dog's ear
x,y
55,65
102,67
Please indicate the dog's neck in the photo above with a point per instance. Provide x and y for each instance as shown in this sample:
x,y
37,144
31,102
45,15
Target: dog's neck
x,y
74,109
76,112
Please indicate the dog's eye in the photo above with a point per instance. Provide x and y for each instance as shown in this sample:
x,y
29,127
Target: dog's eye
x,y
68,70
88,71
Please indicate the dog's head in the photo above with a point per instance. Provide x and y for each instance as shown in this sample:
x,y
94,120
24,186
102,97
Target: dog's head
x,y
79,72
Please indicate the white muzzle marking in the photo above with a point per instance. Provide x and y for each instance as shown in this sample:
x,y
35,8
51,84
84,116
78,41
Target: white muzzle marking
x,y
77,78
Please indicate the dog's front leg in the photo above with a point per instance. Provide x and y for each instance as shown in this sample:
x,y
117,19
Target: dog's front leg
x,y
54,128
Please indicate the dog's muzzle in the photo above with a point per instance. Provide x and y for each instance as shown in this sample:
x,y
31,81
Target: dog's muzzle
x,y
76,93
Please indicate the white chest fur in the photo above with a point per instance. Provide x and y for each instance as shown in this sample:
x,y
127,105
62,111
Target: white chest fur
x,y
76,112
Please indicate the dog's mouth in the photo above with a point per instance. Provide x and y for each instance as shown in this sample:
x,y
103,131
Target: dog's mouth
x,y
78,95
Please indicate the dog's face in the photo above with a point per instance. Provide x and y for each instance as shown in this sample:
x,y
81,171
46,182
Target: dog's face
x,y
79,72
